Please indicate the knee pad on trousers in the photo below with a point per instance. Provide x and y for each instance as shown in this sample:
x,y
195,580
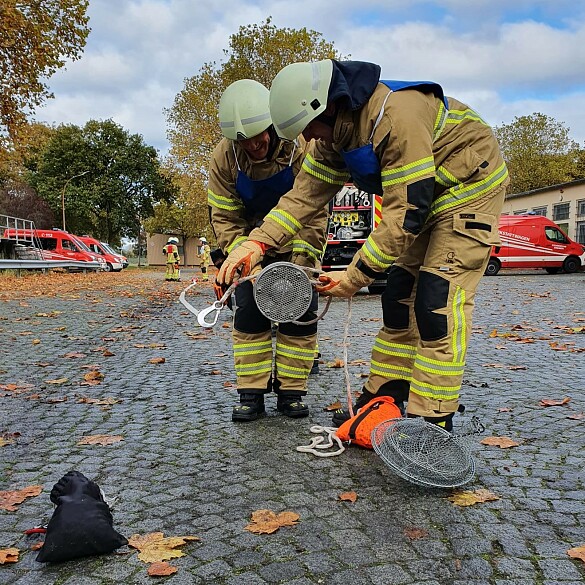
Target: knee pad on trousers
x,y
432,293
303,330
399,287
248,318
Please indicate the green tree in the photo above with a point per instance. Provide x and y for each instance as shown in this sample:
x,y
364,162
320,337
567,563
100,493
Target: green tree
x,y
256,52
108,178
538,151
37,37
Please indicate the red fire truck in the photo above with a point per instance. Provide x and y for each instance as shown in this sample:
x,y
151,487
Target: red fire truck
x,y
354,214
533,241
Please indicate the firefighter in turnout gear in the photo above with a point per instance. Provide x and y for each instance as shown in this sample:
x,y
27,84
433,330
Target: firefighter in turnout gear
x,y
251,169
204,258
439,169
172,253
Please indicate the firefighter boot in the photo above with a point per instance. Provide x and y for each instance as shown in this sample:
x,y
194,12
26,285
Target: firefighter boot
x,y
315,366
291,404
445,421
250,408
397,389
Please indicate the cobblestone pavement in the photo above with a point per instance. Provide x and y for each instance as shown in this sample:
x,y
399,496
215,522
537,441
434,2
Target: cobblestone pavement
x,y
184,468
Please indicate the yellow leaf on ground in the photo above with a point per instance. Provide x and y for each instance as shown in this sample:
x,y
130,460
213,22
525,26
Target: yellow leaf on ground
x,y
98,401
8,555
4,442
157,360
333,406
470,498
347,497
93,375
9,499
57,381
338,363
154,547
100,439
267,521
161,569
36,341
502,442
577,553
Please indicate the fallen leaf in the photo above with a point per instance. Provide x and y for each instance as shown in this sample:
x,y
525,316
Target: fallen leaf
x,y
75,354
549,402
98,401
157,360
37,545
215,372
415,533
226,325
154,547
347,497
100,439
108,353
161,569
267,521
577,553
579,416
228,385
333,406
504,409
502,442
4,442
57,381
36,341
338,363
470,498
494,333
8,555
9,499
57,399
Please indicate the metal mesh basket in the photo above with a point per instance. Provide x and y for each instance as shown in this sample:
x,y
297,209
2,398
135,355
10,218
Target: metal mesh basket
x,y
423,453
283,292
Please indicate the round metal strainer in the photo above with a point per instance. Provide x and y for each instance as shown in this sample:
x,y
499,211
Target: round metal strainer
x,y
423,453
283,292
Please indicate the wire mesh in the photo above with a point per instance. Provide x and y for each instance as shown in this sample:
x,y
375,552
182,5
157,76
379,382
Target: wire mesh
x,y
423,453
283,292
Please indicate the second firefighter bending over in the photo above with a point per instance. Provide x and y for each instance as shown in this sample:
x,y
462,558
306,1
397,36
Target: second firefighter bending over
x,y
251,168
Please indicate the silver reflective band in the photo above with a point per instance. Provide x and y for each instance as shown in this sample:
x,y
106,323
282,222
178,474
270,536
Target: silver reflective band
x,y
316,77
293,120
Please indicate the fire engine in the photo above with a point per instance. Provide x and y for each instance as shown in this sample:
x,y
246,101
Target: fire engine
x,y
533,241
354,215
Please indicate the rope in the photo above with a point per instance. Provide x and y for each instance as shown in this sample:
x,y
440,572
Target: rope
x,y
318,444
345,366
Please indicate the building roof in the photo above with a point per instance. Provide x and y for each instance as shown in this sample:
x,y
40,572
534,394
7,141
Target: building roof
x,y
549,188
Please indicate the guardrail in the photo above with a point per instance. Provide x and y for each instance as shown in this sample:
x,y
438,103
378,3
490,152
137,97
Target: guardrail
x,y
47,264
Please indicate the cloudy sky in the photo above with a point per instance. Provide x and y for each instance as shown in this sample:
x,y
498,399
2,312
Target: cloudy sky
x,y
505,58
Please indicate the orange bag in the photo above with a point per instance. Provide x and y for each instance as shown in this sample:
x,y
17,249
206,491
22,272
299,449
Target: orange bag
x,y
358,429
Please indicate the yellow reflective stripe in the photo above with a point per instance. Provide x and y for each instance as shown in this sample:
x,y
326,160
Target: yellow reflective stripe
x,y
294,348
388,369
432,362
324,173
379,258
459,325
466,193
255,368
291,372
236,243
284,219
443,369
295,352
444,177
397,349
435,392
241,349
440,121
408,172
301,246
223,202
458,116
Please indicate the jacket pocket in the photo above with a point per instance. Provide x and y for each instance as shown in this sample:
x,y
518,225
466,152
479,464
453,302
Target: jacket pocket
x,y
481,231
464,164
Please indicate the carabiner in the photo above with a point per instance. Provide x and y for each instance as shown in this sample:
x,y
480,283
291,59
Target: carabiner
x,y
216,307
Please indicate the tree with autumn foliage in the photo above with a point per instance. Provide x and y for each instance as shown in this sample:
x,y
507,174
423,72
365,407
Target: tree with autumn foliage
x,y
539,152
257,51
36,39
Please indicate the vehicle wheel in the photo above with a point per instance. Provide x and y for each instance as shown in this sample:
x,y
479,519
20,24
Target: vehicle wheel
x,y
552,270
376,289
109,267
571,264
493,267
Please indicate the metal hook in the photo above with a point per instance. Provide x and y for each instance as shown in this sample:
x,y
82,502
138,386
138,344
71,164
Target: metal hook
x,y
216,307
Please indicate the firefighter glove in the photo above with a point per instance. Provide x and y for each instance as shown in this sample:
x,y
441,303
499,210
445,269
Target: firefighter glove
x,y
339,284
302,260
241,262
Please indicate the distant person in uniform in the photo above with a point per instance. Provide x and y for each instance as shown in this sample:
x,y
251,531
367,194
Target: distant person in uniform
x,y
172,253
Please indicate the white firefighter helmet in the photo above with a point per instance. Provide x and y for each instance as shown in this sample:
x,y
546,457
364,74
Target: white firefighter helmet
x,y
203,240
243,110
298,95
173,240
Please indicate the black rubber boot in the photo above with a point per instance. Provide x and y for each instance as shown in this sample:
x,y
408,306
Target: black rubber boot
x,y
397,389
315,366
250,408
445,421
291,404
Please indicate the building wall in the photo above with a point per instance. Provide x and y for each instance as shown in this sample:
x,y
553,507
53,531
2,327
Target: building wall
x,y
156,242
564,204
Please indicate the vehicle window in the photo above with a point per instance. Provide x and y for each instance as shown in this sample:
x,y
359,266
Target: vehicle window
x,y
67,245
94,248
48,243
555,235
80,245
